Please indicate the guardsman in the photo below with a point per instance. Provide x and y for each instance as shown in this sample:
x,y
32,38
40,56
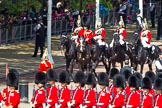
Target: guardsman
x,y
126,72
112,88
45,63
99,34
158,97
39,99
85,32
104,97
134,97
90,99
12,96
77,29
152,76
64,79
122,34
147,96
52,91
78,94
119,83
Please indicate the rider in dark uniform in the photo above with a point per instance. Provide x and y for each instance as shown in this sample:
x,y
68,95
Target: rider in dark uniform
x,y
40,38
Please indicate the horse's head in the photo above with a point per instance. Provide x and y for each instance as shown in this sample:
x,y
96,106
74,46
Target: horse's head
x,y
116,38
63,41
136,38
82,44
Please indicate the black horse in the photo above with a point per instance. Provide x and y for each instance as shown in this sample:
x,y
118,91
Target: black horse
x,y
84,55
117,51
70,52
140,54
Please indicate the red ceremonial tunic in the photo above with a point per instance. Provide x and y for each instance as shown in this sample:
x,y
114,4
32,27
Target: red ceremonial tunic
x,y
44,66
113,92
118,100
78,96
39,98
147,101
90,99
77,29
133,100
123,33
103,99
87,34
152,92
4,93
52,96
64,97
158,101
101,32
12,99
127,91
148,35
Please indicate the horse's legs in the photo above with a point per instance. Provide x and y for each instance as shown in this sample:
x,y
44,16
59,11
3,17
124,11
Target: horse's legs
x,y
105,64
150,66
141,70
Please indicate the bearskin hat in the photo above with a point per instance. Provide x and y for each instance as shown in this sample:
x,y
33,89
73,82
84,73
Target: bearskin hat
x,y
119,81
113,72
40,77
64,77
13,78
79,77
103,79
139,77
126,73
146,83
52,75
85,21
151,75
91,79
133,81
159,75
158,84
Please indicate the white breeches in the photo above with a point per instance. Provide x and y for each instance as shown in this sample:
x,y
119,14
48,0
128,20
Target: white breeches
x,y
121,41
145,45
100,42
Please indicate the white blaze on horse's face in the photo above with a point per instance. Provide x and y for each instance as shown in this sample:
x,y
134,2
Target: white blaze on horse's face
x,y
81,44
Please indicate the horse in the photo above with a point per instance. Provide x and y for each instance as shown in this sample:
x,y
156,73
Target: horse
x,y
84,55
98,54
70,52
140,54
117,51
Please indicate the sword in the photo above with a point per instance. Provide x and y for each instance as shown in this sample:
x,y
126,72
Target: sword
x,y
96,98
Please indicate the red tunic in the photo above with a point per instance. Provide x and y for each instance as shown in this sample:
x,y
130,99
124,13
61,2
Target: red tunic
x,y
44,66
127,91
52,96
147,101
118,100
13,99
148,35
87,34
103,99
4,93
158,102
113,92
78,96
90,99
64,97
133,100
100,32
77,29
39,98
123,33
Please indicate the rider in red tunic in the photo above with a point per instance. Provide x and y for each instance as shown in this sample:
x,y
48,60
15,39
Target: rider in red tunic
x,y
158,97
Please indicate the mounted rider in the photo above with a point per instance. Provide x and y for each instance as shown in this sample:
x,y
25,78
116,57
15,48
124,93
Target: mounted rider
x,y
85,32
146,38
122,34
77,29
99,34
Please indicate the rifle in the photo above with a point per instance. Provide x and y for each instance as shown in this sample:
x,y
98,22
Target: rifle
x,y
71,95
141,99
58,93
96,98
84,96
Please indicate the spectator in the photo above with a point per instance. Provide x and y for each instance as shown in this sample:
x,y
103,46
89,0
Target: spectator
x,y
158,63
152,14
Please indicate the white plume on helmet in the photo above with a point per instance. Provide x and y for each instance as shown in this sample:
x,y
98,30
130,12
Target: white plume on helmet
x,y
58,5
45,55
79,21
121,22
99,23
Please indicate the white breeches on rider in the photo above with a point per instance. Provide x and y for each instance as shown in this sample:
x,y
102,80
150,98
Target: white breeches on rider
x,y
100,42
